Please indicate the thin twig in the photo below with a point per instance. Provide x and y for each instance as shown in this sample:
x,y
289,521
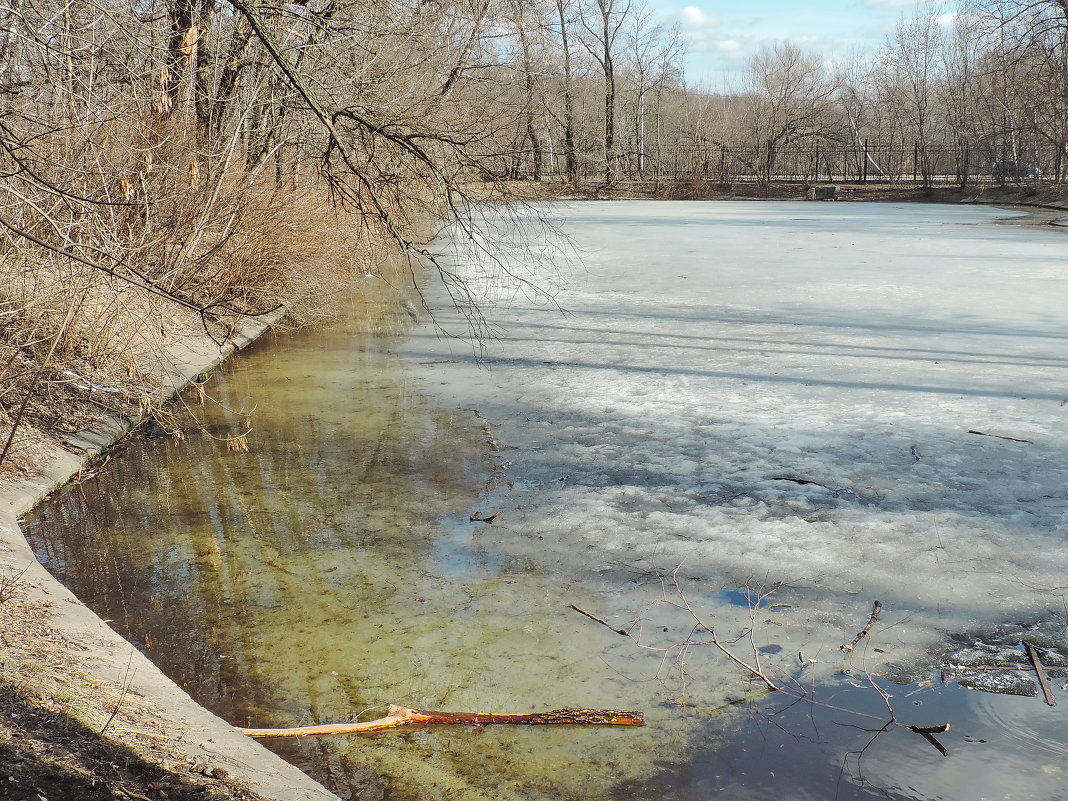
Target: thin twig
x,y
604,623
126,679
998,436
875,609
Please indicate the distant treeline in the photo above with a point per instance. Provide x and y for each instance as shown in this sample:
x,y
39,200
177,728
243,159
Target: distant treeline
x,y
171,163
953,91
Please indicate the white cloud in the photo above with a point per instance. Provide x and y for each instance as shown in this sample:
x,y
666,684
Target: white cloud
x,y
695,19
697,27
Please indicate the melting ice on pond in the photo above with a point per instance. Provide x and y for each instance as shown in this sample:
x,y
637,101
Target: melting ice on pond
x,y
771,392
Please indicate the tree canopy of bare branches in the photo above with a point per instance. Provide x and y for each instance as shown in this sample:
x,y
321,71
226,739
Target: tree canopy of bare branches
x,y
184,164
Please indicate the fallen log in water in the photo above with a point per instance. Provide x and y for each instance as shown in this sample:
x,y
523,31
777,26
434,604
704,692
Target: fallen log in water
x,y
403,716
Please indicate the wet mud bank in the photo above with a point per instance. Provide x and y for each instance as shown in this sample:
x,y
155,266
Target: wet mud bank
x,y
155,714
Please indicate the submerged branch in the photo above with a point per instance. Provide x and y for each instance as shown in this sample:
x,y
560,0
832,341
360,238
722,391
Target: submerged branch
x,y
603,622
757,672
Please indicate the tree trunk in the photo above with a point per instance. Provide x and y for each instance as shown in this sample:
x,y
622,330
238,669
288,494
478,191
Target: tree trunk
x,y
183,34
609,120
202,81
609,92
224,94
569,102
528,106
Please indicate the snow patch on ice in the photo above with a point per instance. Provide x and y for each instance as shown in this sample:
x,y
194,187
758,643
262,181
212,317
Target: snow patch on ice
x,y
773,398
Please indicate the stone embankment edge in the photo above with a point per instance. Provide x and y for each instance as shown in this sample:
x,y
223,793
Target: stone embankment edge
x,y
197,735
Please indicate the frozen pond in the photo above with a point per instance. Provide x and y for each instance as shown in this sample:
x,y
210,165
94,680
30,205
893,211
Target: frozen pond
x,y
783,392
714,402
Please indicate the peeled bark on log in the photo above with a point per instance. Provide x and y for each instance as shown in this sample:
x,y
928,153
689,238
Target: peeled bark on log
x,y
403,716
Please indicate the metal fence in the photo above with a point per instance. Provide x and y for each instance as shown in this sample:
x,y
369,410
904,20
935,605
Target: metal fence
x,y
863,162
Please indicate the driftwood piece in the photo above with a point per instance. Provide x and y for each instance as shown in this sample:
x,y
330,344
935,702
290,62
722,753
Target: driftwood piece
x,y
928,732
930,729
1040,671
934,741
875,610
403,716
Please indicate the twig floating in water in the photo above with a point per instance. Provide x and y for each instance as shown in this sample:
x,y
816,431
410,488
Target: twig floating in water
x,y
930,729
875,610
1040,671
931,739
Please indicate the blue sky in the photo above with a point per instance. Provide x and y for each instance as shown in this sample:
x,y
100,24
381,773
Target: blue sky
x,y
722,36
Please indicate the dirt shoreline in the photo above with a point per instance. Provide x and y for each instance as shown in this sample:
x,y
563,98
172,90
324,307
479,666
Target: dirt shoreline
x,y
170,746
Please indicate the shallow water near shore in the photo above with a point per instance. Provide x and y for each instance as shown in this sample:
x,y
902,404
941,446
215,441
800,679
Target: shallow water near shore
x,y
772,440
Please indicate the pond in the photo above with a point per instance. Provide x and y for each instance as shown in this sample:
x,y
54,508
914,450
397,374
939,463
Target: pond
x,y
772,413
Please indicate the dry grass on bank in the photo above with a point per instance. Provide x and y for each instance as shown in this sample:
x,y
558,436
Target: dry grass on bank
x,y
77,343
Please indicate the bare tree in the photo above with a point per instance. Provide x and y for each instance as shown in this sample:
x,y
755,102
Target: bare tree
x,y
1030,46
138,146
525,21
857,99
958,94
913,55
791,99
602,23
652,55
564,10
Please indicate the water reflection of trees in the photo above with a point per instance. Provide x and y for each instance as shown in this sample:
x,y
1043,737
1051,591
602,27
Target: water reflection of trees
x,y
285,585
243,575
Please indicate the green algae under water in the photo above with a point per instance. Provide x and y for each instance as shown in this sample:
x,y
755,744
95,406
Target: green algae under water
x,y
334,568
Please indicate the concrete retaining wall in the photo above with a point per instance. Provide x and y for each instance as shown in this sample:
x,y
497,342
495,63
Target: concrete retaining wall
x,y
199,737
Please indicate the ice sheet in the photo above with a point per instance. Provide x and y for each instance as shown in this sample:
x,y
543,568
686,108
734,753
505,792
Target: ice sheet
x,y
780,392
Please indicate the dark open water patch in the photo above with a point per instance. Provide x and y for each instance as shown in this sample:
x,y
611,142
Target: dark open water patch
x,y
743,596
846,746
